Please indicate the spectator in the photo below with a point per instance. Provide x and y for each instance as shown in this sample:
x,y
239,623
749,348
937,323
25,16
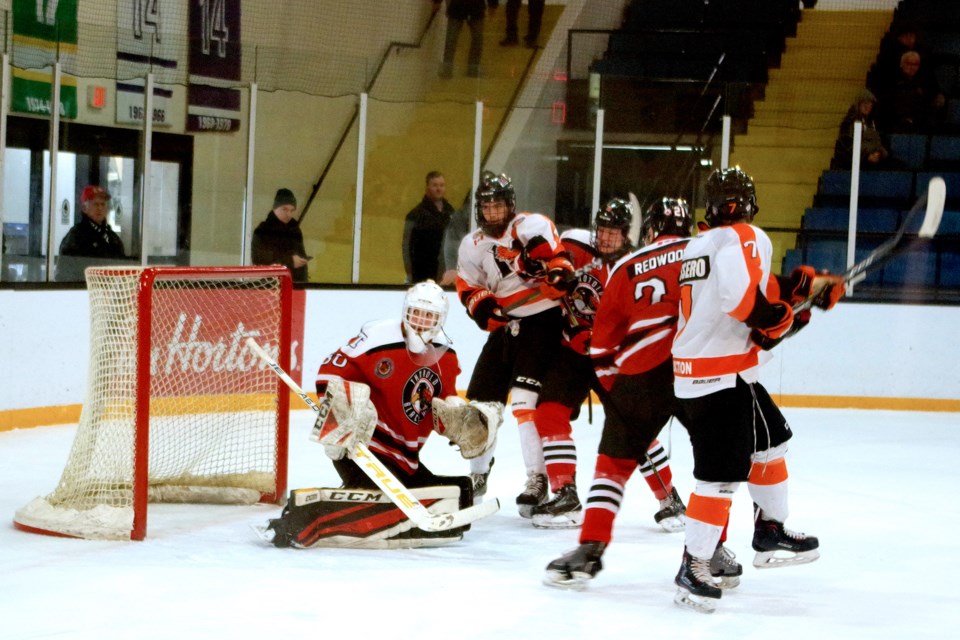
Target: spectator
x,y
534,19
472,13
423,232
901,38
913,103
91,237
278,239
873,155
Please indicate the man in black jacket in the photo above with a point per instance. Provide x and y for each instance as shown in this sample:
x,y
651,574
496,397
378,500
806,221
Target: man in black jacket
x,y
91,240
423,231
279,240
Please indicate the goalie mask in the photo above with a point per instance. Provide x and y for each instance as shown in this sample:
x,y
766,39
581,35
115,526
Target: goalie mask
x,y
495,189
730,197
424,312
611,230
667,216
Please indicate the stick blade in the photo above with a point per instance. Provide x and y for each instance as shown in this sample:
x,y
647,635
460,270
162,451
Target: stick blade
x,y
637,215
936,198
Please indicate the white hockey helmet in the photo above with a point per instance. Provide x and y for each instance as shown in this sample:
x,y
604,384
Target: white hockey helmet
x,y
424,312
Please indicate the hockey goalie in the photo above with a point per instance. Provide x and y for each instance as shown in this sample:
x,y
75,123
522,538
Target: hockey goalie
x,y
388,388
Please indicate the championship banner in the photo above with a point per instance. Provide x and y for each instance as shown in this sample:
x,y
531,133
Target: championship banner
x,y
212,102
147,42
41,28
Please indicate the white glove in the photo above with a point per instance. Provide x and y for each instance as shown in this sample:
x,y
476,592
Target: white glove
x,y
347,418
471,426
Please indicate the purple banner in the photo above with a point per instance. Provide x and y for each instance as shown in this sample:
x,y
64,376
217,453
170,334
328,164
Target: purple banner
x,y
213,102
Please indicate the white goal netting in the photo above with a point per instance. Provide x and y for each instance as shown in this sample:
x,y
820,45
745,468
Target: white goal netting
x,y
178,409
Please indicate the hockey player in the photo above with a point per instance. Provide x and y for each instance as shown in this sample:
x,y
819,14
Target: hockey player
x,y
513,261
571,377
733,311
632,333
389,383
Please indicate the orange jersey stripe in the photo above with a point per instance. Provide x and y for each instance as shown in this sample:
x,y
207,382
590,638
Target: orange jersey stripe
x,y
751,259
718,366
713,511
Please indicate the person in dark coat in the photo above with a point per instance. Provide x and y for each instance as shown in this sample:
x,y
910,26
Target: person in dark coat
x,y
91,240
279,240
423,232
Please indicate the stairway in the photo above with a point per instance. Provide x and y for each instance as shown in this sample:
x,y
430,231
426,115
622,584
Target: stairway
x,y
405,140
790,139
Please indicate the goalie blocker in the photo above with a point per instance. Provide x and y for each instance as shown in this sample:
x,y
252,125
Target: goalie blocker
x,y
359,519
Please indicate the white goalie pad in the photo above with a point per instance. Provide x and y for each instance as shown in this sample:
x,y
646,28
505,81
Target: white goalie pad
x,y
472,426
346,418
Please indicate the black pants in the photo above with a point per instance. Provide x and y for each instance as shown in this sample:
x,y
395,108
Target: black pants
x,y
534,18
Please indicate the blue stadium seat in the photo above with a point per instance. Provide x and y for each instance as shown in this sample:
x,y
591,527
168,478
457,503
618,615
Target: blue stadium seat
x,y
944,153
910,149
826,253
950,225
792,259
826,219
916,268
890,185
950,269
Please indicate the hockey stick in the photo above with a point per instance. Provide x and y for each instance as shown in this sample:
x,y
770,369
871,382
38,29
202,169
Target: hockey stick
x,y
535,294
931,204
369,464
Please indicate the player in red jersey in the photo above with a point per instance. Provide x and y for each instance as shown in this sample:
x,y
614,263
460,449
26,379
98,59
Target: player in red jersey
x,y
406,368
632,333
571,376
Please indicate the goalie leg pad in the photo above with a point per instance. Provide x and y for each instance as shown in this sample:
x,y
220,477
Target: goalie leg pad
x,y
471,426
359,518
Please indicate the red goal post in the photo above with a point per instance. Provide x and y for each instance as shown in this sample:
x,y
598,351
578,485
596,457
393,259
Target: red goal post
x,y
178,409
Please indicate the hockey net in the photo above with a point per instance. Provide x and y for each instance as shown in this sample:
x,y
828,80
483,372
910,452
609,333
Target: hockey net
x,y
177,409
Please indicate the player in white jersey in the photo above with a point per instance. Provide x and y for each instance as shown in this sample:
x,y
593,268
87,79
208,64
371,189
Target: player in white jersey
x,y
510,273
732,311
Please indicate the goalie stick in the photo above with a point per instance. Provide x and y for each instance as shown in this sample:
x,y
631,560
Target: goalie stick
x,y
931,204
387,481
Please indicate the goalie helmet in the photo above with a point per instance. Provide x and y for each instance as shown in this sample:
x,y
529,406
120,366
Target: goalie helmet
x,y
616,214
424,311
668,216
494,188
730,197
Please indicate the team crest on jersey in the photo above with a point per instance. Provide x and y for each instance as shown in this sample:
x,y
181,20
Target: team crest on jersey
x,y
418,393
384,368
585,297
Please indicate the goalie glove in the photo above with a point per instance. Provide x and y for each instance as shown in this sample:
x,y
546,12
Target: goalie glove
x,y
347,418
559,279
471,426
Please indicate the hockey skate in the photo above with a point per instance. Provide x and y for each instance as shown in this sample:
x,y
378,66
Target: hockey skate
x,y
770,536
671,515
576,568
562,512
695,586
479,481
534,493
725,568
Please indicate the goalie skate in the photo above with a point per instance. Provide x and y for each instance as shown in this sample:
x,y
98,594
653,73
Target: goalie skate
x,y
576,568
696,589
777,546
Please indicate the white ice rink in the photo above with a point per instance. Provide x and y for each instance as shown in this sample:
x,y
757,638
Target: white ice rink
x,y
880,489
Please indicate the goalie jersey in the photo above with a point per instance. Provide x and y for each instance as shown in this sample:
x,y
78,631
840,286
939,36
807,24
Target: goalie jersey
x,y
400,389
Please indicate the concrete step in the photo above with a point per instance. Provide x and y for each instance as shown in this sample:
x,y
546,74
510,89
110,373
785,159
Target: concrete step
x,y
761,136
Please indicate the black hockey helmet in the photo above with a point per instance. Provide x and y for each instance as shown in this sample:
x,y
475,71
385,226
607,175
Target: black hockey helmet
x,y
616,214
730,197
493,188
668,216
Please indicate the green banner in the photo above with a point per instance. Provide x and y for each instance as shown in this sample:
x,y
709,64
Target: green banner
x,y
31,94
52,21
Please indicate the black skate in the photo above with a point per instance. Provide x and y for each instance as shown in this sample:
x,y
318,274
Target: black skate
x,y
562,512
534,493
724,567
770,536
670,516
479,481
695,586
575,568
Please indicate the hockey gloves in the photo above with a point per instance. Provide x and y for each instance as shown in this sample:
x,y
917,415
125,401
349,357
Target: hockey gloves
x,y
559,279
825,290
471,426
347,418
770,321
483,307
579,339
